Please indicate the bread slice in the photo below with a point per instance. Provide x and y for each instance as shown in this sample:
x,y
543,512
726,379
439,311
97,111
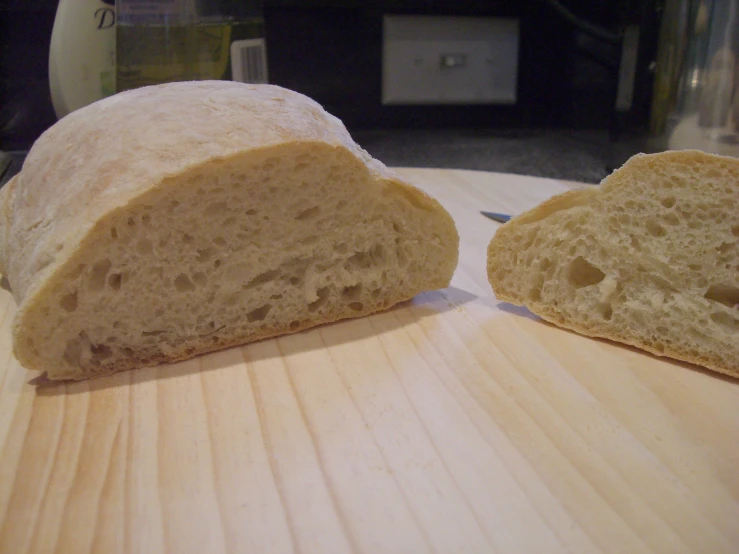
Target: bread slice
x,y
649,258
174,220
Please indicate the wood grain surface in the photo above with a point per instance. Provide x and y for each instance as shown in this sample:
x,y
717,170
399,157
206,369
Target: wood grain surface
x,y
450,424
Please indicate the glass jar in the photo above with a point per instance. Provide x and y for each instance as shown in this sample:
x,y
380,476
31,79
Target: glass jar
x,y
159,41
696,94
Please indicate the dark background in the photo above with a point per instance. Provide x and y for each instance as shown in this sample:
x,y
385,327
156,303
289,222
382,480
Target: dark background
x,y
331,50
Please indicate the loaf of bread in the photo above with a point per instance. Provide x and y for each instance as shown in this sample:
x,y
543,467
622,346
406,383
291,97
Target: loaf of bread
x,y
169,221
649,258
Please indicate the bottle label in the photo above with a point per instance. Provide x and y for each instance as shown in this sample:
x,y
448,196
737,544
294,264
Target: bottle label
x,y
249,61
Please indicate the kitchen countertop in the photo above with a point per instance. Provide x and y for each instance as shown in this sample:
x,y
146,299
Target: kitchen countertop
x,y
556,154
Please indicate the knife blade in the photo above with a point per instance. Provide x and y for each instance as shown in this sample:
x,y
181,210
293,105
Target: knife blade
x,y
500,218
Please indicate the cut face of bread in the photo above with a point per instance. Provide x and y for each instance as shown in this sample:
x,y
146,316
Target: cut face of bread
x,y
268,240
650,258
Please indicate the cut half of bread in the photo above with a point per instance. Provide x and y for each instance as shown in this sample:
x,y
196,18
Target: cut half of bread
x,y
174,220
649,258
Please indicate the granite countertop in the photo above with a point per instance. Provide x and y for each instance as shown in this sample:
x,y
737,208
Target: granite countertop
x,y
572,155
558,154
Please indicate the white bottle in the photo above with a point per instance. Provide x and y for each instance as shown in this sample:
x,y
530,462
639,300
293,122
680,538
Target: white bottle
x,y
82,54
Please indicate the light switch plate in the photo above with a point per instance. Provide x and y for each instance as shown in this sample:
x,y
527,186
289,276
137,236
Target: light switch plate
x,y
449,60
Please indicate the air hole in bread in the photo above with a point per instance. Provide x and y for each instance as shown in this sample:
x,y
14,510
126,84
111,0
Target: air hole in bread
x,y
624,219
341,204
308,213
605,310
146,218
725,294
668,201
341,248
294,325
200,279
204,255
726,247
671,219
535,293
352,293
322,294
115,281
69,302
655,229
220,241
183,284
376,293
360,260
114,233
214,209
725,320
356,306
377,254
295,281
259,314
217,264
251,212
312,239
98,273
584,274
229,221
735,230
207,329
658,346
187,239
131,222
100,351
262,278
75,347
74,275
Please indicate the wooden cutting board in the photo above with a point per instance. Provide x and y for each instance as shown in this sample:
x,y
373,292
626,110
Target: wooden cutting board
x,y
450,424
